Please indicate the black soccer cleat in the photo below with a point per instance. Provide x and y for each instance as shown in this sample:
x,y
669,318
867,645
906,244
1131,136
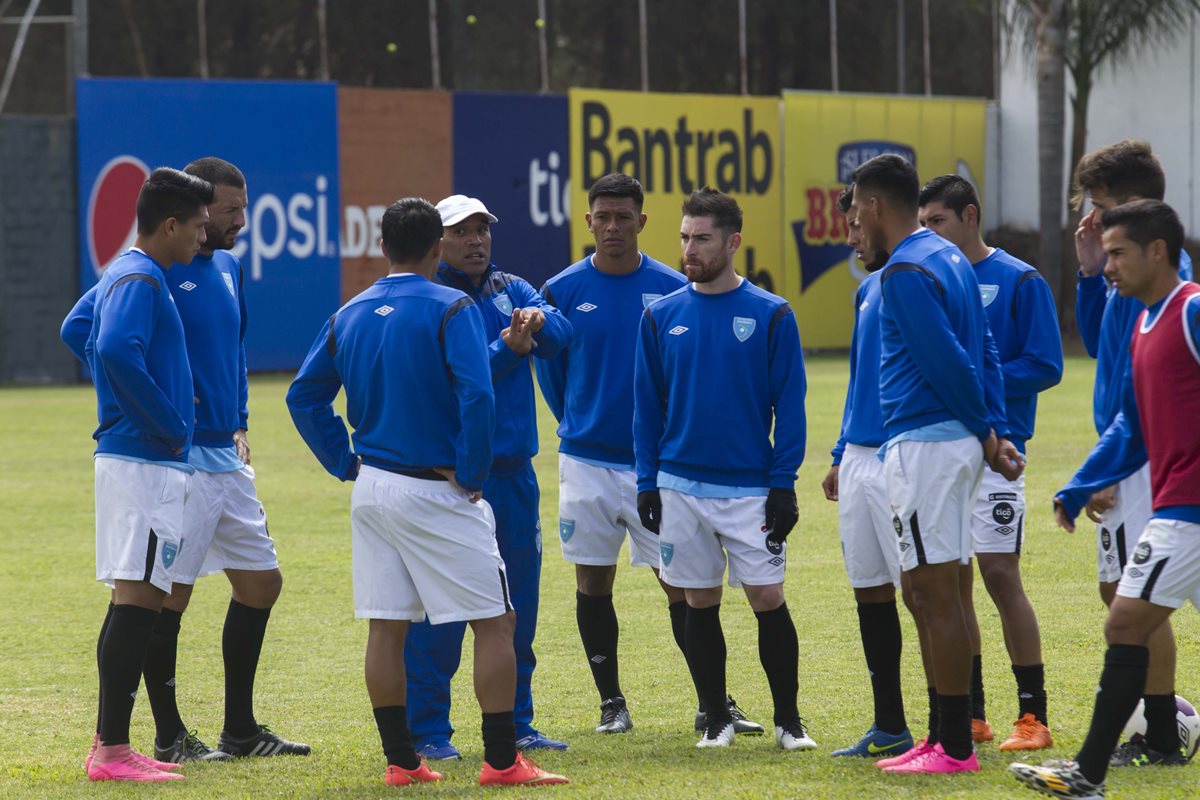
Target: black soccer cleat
x,y
264,743
188,747
614,716
742,724
1136,753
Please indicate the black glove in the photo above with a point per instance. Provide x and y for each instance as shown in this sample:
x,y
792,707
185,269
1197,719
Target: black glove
x,y
650,510
782,514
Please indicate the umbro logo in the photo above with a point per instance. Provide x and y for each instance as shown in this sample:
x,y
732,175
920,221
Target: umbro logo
x,y
383,311
585,307
864,305
678,329
597,659
776,561
187,286
955,259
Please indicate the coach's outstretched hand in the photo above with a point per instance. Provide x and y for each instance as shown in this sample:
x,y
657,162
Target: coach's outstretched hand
x,y
782,514
650,510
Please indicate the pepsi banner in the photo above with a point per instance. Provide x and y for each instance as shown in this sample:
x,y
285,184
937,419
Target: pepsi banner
x,y
511,151
282,135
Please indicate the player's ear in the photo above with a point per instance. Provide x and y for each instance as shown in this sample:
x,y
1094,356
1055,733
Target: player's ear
x,y
641,222
588,217
735,241
436,252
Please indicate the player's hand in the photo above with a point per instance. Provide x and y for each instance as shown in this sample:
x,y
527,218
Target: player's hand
x,y
782,514
448,474
830,484
518,335
1007,460
242,444
1060,516
1100,502
535,318
649,506
1088,246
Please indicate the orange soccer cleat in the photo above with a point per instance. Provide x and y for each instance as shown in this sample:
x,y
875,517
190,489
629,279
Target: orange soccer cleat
x,y
523,772
1028,734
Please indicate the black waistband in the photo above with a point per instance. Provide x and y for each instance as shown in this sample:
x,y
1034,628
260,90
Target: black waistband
x,y
420,474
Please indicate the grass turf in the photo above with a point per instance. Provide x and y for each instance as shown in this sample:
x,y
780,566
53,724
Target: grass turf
x,y
310,683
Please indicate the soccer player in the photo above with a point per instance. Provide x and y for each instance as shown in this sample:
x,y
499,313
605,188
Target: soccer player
x,y
722,354
941,391
855,482
1021,316
1142,242
225,526
139,364
424,542
518,324
589,388
1115,174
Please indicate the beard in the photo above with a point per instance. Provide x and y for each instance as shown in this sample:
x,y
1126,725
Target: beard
x,y
705,272
219,239
877,261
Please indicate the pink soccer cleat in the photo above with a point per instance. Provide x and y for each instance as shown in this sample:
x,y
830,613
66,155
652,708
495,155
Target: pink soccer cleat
x,y
935,762
120,763
916,751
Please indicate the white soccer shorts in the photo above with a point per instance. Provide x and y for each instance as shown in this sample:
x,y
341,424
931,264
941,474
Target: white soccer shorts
x,y
597,509
420,548
139,521
999,520
932,488
1164,568
1122,525
870,547
697,533
224,527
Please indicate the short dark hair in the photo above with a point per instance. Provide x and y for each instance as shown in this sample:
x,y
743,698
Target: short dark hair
x,y
1146,221
1124,169
617,184
217,171
952,191
892,177
169,193
845,198
411,226
708,202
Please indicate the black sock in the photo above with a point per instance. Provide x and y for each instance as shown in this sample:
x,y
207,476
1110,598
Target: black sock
x,y
977,700
678,612
706,653
121,657
392,722
779,652
1162,727
1031,691
500,739
1121,684
954,725
241,644
879,625
100,685
599,631
932,739
159,669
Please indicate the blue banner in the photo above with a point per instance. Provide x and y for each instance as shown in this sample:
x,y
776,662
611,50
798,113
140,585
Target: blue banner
x,y
511,151
282,135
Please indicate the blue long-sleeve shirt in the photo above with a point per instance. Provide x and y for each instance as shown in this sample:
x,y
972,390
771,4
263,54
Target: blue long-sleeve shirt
x,y
589,385
414,362
862,416
712,373
136,351
1020,313
497,295
939,361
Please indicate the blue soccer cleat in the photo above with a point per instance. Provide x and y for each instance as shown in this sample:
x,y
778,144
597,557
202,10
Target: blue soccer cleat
x,y
439,751
877,744
534,740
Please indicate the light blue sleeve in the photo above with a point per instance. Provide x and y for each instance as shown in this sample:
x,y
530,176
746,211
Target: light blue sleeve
x,y
1040,364
839,449
77,327
649,404
552,371
476,398
788,388
310,402
1091,295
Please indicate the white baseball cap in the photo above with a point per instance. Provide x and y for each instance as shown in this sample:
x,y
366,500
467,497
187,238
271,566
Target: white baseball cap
x,y
457,207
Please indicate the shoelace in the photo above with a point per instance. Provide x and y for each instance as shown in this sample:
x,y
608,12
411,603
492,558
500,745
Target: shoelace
x,y
193,746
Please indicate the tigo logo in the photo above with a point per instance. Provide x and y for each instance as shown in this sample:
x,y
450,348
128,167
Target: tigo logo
x,y
112,210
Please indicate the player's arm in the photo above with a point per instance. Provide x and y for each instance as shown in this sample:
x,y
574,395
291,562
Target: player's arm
x,y
912,298
310,402
77,327
788,388
552,331
130,311
552,372
1040,363
993,383
848,407
1091,295
467,361
243,375
649,404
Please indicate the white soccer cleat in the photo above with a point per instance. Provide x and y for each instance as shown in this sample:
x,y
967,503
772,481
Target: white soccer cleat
x,y
717,735
794,736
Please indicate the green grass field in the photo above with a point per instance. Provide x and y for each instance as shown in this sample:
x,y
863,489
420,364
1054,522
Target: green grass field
x,y
310,684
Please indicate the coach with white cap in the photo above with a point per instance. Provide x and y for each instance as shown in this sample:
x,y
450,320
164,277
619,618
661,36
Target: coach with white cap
x,y
518,324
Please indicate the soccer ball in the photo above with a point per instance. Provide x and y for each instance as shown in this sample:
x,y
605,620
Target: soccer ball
x,y
1186,717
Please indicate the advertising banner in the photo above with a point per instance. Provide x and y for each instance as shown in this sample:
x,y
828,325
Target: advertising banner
x,y
827,137
282,135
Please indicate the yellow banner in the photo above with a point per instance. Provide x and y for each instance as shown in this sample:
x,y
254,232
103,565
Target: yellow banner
x,y
675,144
827,137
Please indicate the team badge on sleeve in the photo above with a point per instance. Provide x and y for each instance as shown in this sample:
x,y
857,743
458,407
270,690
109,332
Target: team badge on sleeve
x,y
503,303
743,328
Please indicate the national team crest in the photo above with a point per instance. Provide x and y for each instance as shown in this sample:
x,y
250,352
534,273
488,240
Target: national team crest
x,y
503,303
667,551
648,298
743,328
169,551
229,284
566,529
987,293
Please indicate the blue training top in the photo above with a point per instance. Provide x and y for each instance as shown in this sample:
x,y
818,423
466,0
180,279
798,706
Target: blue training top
x,y
413,359
939,361
862,416
712,374
589,385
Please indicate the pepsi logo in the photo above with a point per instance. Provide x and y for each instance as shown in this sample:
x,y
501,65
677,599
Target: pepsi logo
x,y
112,210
